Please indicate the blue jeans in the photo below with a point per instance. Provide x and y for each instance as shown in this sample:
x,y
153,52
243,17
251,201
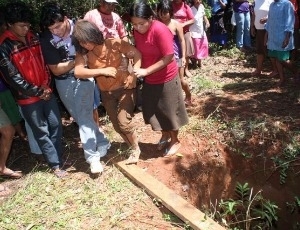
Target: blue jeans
x,y
33,145
242,29
78,98
44,120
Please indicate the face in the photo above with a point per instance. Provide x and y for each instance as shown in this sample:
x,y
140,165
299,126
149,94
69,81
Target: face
x,y
87,45
107,7
141,25
164,16
59,28
20,29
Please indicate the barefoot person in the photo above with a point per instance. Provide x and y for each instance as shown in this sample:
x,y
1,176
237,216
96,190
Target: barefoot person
x,y
279,36
163,105
7,133
106,60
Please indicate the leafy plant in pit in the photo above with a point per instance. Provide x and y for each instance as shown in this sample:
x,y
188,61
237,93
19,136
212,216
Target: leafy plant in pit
x,y
294,206
247,211
286,162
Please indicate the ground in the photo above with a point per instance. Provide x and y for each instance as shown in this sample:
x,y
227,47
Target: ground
x,y
219,148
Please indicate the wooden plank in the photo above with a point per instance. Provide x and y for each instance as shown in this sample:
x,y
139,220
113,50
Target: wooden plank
x,y
175,203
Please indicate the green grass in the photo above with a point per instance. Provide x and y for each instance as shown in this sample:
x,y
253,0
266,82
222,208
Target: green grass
x,y
79,202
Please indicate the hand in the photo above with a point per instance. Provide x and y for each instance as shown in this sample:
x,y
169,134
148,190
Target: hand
x,y
263,20
46,93
110,71
130,82
285,42
140,72
207,25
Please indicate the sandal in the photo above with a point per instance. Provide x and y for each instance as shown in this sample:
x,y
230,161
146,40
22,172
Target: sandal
x,y
12,175
4,191
162,144
171,151
134,156
59,173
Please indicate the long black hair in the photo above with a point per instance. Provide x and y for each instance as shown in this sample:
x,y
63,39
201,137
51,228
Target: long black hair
x,y
141,9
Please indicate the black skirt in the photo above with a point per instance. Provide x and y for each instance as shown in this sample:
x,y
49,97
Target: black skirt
x,y
163,105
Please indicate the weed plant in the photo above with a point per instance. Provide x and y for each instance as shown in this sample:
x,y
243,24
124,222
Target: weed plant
x,y
247,211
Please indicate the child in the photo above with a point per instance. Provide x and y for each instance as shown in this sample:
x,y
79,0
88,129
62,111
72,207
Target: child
x,y
165,13
279,36
198,32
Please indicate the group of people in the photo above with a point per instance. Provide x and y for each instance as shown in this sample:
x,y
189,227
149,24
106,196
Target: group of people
x,y
273,23
83,57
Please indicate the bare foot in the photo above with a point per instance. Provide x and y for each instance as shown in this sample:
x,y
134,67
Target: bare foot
x,y
256,73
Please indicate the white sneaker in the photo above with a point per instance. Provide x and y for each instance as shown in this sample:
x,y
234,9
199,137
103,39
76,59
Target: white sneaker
x,y
96,167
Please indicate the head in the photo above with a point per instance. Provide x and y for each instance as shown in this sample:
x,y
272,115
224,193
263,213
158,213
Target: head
x,y
54,18
165,10
18,16
86,36
141,16
107,6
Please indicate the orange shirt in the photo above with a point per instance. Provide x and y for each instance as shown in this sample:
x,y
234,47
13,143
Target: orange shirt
x,y
113,53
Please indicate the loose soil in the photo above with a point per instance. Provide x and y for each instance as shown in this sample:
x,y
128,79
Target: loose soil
x,y
211,161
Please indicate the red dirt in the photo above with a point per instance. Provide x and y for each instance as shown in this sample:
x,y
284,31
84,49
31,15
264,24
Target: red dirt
x,y
208,165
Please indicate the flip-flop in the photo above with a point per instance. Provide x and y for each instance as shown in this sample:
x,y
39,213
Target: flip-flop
x,y
60,173
4,191
134,157
171,151
12,175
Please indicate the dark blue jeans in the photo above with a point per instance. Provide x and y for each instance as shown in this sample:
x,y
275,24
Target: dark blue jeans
x,y
43,117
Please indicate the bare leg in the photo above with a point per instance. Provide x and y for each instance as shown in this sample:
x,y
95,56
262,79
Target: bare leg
x,y
186,68
280,72
174,145
135,151
259,62
20,131
185,86
275,71
7,135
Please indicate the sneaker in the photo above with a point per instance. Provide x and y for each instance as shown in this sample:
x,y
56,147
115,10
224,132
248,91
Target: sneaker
x,y
96,167
103,149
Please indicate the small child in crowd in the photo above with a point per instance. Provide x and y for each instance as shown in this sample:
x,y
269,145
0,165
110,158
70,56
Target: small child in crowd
x,y
279,36
198,32
165,13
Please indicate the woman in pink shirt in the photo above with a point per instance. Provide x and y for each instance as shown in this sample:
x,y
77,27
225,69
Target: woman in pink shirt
x,y
163,105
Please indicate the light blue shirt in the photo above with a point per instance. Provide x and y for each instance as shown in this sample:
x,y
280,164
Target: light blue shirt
x,y
281,19
215,5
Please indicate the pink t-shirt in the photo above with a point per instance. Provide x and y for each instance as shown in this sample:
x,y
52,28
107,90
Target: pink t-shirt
x,y
156,43
110,25
182,13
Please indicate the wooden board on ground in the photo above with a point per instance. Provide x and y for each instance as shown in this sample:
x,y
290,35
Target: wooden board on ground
x,y
175,203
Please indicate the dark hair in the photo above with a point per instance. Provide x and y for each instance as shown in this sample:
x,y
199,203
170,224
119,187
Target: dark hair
x,y
85,31
17,12
165,6
141,10
51,13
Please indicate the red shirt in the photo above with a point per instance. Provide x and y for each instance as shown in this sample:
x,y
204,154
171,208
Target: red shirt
x,y
182,13
156,43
